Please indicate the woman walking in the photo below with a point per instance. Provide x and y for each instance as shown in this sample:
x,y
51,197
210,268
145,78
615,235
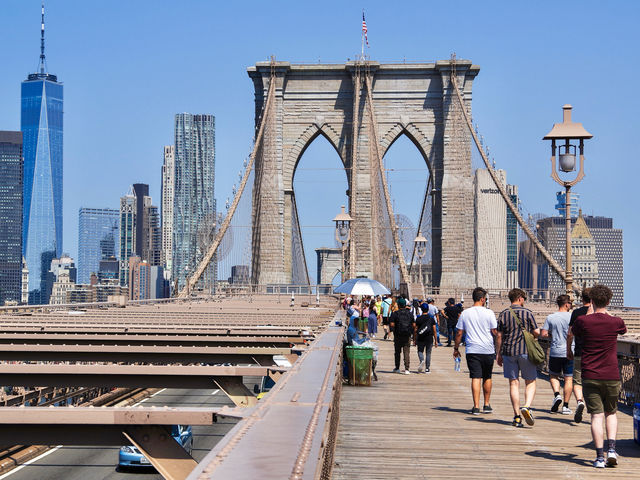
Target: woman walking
x,y
373,320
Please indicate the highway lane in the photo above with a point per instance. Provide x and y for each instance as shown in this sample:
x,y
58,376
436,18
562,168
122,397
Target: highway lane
x,y
99,463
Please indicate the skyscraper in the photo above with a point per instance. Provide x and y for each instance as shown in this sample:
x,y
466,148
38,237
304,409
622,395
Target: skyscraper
x,y
153,247
491,230
98,232
512,239
11,165
168,184
127,234
139,230
41,125
608,253
194,213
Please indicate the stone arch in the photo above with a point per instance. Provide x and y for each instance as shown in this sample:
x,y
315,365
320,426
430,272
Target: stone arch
x,y
306,138
414,134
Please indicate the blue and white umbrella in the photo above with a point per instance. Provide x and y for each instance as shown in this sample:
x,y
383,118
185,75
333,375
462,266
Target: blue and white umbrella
x,y
362,286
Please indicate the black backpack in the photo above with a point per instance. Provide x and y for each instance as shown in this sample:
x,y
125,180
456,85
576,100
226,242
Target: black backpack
x,y
404,322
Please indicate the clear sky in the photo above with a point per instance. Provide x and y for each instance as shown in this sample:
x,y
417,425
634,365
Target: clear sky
x,y
129,66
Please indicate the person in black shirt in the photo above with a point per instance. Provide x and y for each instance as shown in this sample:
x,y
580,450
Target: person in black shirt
x,y
452,313
426,338
403,326
577,355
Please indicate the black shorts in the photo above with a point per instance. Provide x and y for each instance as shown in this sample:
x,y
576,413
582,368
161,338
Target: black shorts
x,y
385,320
480,365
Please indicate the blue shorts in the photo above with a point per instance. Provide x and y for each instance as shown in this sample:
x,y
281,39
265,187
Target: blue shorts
x,y
561,366
517,366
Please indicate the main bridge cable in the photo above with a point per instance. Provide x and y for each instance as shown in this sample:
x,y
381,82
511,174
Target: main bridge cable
x,y
525,227
424,206
204,263
385,187
355,125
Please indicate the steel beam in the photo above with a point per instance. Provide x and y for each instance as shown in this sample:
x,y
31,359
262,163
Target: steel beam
x,y
237,392
164,453
94,426
221,340
112,376
144,329
140,354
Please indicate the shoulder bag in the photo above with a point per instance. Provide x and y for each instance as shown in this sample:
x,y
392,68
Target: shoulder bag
x,y
534,349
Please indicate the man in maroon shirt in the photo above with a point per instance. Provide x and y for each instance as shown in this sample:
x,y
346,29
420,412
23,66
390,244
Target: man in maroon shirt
x,y
600,374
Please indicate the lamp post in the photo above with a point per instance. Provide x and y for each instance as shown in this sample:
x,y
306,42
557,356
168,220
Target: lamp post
x,y
421,249
343,233
566,133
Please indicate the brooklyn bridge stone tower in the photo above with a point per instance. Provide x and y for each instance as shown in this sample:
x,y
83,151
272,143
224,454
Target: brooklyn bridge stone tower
x,y
355,105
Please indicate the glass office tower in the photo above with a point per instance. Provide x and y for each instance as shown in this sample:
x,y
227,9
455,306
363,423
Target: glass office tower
x,y
194,206
98,232
41,125
10,216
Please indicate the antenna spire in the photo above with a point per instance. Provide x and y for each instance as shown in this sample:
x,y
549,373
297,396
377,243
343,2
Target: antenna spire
x,y
42,59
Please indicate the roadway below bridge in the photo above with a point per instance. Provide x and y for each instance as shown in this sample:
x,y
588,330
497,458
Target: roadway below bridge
x,y
100,463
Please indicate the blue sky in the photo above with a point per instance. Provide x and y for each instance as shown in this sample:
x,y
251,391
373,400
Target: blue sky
x,y
129,66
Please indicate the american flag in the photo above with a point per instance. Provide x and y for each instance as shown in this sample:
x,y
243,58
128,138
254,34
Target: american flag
x,y
364,29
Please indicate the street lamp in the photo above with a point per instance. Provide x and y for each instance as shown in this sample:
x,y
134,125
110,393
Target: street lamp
x,y
343,233
421,249
565,133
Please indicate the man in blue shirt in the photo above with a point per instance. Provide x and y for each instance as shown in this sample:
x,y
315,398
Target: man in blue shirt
x,y
556,326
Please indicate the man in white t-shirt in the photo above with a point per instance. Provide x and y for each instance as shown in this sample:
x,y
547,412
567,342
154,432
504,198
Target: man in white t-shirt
x,y
480,326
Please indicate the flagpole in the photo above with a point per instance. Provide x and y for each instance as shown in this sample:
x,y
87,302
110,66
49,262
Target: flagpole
x,y
362,39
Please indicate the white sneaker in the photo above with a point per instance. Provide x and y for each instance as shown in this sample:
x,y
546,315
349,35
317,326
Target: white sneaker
x,y
407,372
421,367
599,463
566,411
612,458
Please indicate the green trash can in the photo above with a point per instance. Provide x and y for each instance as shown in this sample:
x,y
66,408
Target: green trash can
x,y
363,323
360,361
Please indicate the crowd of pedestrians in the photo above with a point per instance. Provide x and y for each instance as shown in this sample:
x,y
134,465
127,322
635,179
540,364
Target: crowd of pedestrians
x,y
582,351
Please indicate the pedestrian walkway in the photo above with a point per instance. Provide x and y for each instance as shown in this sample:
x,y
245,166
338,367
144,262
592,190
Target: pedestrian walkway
x,y
418,426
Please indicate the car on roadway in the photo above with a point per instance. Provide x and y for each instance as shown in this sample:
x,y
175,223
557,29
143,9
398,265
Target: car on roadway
x,y
130,457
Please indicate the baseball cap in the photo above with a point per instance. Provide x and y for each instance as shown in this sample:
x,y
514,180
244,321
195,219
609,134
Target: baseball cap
x,y
402,302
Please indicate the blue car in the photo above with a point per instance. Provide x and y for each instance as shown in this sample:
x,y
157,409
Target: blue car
x,y
129,456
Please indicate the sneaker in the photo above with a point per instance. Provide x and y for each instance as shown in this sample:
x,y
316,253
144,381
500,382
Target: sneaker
x,y
407,372
599,463
427,370
421,367
566,411
396,370
578,415
517,421
557,401
475,411
528,416
612,458
487,409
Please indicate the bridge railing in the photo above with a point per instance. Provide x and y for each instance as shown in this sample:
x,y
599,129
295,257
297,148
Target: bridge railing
x,y
628,363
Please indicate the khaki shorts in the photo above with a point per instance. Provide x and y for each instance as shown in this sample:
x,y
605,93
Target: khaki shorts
x,y
601,395
577,370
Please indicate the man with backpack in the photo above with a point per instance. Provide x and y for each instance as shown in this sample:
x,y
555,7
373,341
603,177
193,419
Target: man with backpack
x,y
403,326
426,338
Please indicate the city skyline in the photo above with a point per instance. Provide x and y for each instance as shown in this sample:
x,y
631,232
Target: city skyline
x,y
498,103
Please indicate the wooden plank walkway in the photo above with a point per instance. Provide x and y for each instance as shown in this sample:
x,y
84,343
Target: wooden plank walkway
x,y
418,426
